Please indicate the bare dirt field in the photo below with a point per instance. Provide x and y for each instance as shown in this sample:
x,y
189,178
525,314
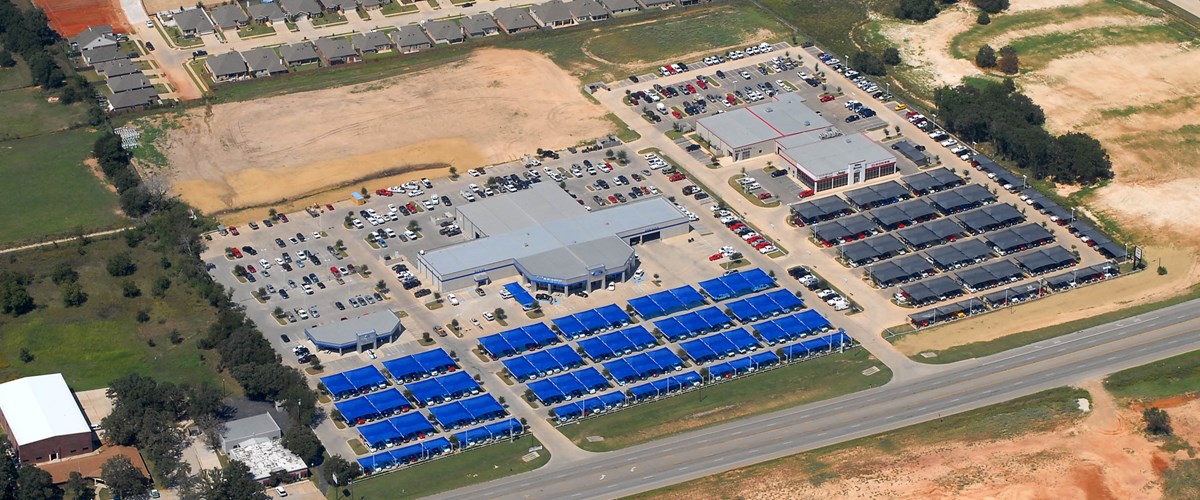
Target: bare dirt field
x,y
69,17
1102,456
928,48
492,108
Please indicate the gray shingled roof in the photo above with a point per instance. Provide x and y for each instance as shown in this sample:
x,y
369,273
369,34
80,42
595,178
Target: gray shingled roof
x,y
444,30
93,34
229,16
586,9
342,5
132,98
297,7
129,82
552,12
117,68
651,3
372,40
264,59
269,11
479,24
370,3
410,35
297,52
103,54
335,48
193,20
621,5
227,64
514,18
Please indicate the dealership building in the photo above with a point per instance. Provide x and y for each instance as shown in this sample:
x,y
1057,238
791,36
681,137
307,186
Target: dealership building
x,y
368,331
549,240
824,164
751,131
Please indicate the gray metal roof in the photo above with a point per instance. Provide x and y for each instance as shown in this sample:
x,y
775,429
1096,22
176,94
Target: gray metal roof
x,y
551,12
227,64
832,156
1042,259
932,180
342,5
934,231
117,67
371,40
877,195
444,30
621,5
829,207
410,35
346,332
335,48
297,52
229,16
264,59
911,152
946,257
479,24
786,116
651,3
514,18
269,11
238,431
876,247
133,98
132,81
193,20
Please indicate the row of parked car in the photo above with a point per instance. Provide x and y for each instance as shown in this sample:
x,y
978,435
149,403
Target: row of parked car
x,y
751,237
859,80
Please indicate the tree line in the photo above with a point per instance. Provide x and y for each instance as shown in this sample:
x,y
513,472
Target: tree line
x,y
1013,123
137,199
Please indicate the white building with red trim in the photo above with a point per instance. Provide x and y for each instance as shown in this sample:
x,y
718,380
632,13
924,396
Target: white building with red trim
x,y
752,131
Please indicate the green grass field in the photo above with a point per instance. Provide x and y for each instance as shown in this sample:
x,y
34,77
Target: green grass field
x,y
15,77
26,113
830,23
48,191
471,467
1039,412
815,380
1161,379
101,340
964,45
1037,51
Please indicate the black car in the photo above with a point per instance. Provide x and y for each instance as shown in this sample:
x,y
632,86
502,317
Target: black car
x,y
283,293
378,297
279,241
720,74
446,201
314,259
633,78
851,118
149,46
339,305
422,292
285,339
268,223
300,236
779,173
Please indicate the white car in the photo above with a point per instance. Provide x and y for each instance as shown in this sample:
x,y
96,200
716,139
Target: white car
x,y
453,299
949,142
265,263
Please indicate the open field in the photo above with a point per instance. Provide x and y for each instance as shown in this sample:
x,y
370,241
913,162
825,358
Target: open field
x,y
1161,379
48,189
492,107
15,77
101,340
471,467
827,377
1041,446
69,17
26,113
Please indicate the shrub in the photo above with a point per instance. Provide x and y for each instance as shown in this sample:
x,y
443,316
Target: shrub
x,y
1158,422
121,264
986,57
984,19
917,10
891,56
991,6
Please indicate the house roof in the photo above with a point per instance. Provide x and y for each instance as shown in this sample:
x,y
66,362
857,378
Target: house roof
x,y
297,52
133,98
478,24
193,20
371,40
650,3
444,30
89,465
334,48
268,11
238,431
94,33
553,11
103,54
410,35
586,9
263,59
621,5
117,67
132,81
297,7
514,18
342,5
228,16
370,3
39,408
229,63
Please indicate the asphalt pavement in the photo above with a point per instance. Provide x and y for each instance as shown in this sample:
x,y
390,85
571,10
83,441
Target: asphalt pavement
x,y
956,388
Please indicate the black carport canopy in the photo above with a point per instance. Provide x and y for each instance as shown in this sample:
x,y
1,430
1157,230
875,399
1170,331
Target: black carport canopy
x,y
939,288
1044,260
961,253
1082,274
961,198
906,213
990,274
990,218
1020,237
911,152
938,179
1045,205
930,233
1023,291
842,228
879,247
878,195
947,312
1105,246
822,209
988,165
899,269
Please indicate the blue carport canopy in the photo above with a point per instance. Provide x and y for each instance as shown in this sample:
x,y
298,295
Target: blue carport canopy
x,y
646,307
357,410
717,289
365,378
714,318
816,345
757,279
389,401
338,385
520,295
498,430
570,326
672,329
442,388
613,316
420,365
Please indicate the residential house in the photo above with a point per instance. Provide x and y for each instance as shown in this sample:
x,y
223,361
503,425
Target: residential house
x,y
228,66
299,53
336,51
298,10
588,10
372,4
229,16
662,4
132,99
621,6
119,67
132,81
263,61
266,13
411,39
479,25
94,37
194,22
341,6
514,20
371,42
102,54
445,31
553,14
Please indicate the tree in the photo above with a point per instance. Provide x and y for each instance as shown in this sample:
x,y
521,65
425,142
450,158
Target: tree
x,y
453,172
917,10
77,488
25,355
985,57
234,481
344,471
983,19
622,156
1009,63
414,226
891,56
14,296
6,59
142,316
63,272
991,6
35,484
123,478
868,63
73,294
130,289
1158,422
160,286
301,440
121,264
500,314
8,472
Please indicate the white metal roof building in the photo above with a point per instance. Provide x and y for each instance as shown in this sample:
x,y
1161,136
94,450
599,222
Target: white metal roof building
x,y
249,430
836,162
363,332
266,457
752,131
42,419
543,235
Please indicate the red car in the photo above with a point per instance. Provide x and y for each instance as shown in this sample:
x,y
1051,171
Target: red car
x,y
236,253
383,192
612,199
676,114
251,269
756,240
233,230
764,196
412,207
729,98
700,81
827,98
336,273
762,245
676,177
715,256
328,207
691,88
806,193
283,217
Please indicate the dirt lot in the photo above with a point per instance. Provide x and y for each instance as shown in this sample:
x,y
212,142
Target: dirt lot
x,y
1103,456
492,108
69,17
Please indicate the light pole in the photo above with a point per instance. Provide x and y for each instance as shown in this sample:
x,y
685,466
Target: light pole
x,y
1024,181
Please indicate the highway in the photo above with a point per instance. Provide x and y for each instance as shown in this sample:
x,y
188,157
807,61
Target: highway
x,y
955,388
